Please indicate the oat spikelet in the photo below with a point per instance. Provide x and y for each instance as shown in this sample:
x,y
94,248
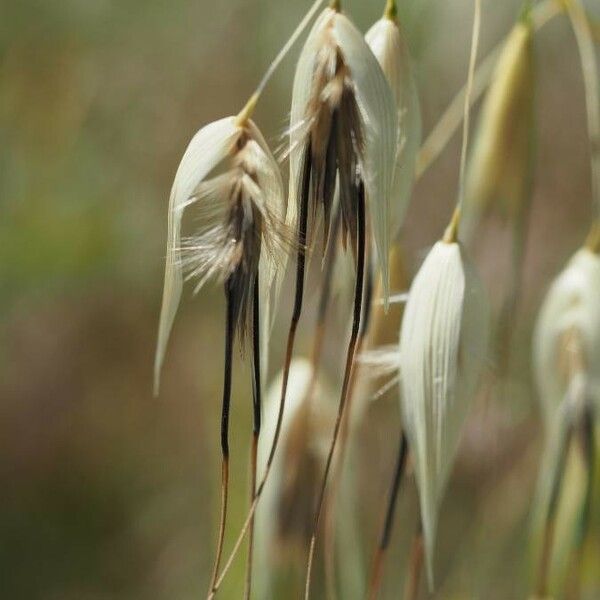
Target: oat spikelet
x,y
229,171
386,40
566,349
443,344
343,123
570,315
501,164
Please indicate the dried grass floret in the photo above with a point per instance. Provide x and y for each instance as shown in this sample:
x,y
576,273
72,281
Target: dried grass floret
x,y
443,344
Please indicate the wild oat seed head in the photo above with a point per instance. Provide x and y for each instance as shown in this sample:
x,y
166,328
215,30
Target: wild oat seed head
x,y
344,122
229,171
501,163
389,46
443,344
569,321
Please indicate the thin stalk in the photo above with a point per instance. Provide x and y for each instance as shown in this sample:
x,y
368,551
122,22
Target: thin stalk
x,y
467,106
358,297
451,233
589,452
386,533
589,67
227,373
415,566
287,47
248,110
391,10
256,414
297,311
452,117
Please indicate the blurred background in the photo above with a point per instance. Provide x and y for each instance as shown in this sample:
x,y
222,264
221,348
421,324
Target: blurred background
x,y
109,493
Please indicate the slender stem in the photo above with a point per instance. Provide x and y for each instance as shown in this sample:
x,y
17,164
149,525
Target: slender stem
x,y
248,110
467,106
386,533
227,372
450,121
256,412
415,566
589,67
300,268
288,45
391,10
358,297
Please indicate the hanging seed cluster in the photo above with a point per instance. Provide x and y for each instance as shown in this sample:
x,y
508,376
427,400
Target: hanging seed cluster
x,y
353,140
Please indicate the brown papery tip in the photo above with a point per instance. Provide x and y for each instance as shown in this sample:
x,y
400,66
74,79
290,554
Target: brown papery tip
x,y
451,233
593,240
335,5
